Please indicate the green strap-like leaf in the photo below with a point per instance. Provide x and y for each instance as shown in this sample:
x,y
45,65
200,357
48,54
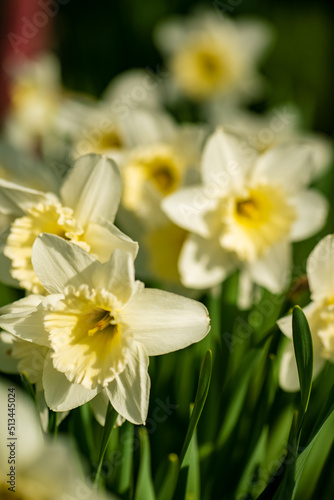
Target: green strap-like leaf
x,y
201,394
169,484
125,474
144,487
111,417
191,461
302,341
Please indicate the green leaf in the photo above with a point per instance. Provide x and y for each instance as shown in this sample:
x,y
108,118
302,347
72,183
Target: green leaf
x,y
312,460
191,461
281,484
144,487
327,409
237,394
328,441
125,474
201,394
169,484
302,341
111,417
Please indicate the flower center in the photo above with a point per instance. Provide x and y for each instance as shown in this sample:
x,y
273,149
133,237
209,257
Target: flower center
x,y
256,221
87,336
100,141
157,166
205,66
42,218
103,323
249,210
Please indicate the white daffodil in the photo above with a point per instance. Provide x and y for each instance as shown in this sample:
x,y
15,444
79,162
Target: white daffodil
x,y
105,126
163,157
83,212
211,56
32,468
245,213
35,95
319,313
277,126
100,326
26,170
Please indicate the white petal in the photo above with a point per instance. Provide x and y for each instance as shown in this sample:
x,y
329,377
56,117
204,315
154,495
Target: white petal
x,y
5,267
26,321
15,199
288,374
27,170
60,393
255,35
203,263
226,161
28,432
92,189
245,290
117,275
147,127
273,270
124,83
320,269
129,393
43,410
99,406
170,34
188,208
322,147
312,210
57,262
165,322
285,325
8,364
188,141
23,305
103,238
289,165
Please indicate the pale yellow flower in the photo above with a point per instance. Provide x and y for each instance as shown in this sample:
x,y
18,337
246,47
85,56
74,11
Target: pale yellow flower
x,y
32,468
100,326
210,56
35,95
319,313
245,213
83,211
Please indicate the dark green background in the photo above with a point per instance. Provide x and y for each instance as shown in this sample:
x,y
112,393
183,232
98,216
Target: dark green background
x,y
97,40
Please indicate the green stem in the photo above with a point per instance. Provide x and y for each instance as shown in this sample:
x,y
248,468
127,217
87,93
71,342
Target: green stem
x,y
52,426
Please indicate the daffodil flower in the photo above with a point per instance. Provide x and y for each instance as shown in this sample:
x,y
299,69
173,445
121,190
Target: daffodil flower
x,y
100,326
277,126
38,468
319,313
35,95
245,214
211,56
82,211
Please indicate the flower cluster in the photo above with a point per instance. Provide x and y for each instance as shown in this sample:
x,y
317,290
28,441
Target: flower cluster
x,y
168,178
